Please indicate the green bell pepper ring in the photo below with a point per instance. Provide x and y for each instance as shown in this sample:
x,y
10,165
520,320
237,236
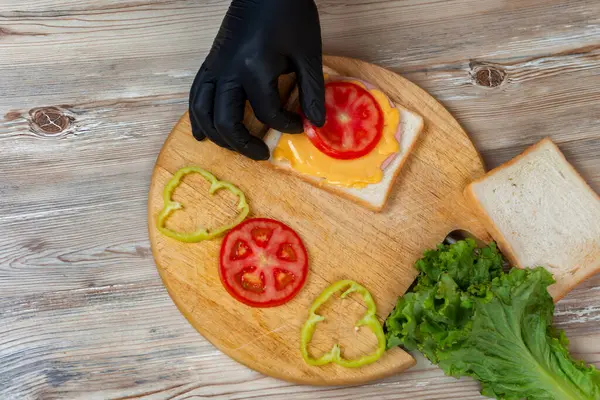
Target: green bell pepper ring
x,y
170,206
369,320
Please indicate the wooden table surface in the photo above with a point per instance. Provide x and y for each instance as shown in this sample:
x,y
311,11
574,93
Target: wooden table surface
x,y
89,91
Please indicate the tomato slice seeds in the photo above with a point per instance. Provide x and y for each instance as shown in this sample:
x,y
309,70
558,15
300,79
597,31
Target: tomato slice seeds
x,y
251,280
286,252
263,263
261,236
240,250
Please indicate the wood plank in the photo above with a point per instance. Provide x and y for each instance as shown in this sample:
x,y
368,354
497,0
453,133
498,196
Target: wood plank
x,y
124,69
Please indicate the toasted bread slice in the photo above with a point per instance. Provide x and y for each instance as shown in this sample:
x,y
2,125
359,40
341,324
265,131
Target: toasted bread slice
x,y
373,196
542,213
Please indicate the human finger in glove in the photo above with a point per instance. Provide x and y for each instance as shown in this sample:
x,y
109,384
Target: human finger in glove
x,y
258,41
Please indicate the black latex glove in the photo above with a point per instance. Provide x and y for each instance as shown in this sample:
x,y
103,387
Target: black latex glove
x,y
258,41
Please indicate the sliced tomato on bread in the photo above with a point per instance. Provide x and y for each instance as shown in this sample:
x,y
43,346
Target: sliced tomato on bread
x,y
353,125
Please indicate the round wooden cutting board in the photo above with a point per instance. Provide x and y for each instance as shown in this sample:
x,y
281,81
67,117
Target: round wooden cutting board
x,y
343,239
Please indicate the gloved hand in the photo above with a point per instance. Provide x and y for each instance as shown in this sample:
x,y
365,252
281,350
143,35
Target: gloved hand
x,y
258,41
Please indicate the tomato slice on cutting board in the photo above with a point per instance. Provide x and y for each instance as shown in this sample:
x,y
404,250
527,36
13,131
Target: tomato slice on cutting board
x,y
263,263
353,124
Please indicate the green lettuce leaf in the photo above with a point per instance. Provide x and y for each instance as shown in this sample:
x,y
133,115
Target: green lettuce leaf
x,y
472,319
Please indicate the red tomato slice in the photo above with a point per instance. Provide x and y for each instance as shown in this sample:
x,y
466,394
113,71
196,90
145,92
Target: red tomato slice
x,y
263,263
353,123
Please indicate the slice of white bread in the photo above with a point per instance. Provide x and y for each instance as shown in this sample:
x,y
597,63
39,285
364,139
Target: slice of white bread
x,y
373,196
542,213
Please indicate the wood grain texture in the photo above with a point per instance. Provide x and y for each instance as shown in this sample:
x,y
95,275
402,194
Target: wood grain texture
x,y
376,249
83,314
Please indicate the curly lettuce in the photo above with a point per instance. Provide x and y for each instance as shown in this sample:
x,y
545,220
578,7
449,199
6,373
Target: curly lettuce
x,y
468,316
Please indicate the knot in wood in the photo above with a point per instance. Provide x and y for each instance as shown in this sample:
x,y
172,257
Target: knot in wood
x,y
49,121
488,76
4,32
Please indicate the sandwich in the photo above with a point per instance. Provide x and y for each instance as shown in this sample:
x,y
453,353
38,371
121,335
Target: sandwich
x,y
542,213
359,151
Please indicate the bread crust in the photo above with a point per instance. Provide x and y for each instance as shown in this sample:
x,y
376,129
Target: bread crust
x,y
403,161
329,188
564,284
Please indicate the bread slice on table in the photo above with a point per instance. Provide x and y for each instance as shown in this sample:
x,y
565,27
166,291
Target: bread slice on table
x,y
542,213
373,196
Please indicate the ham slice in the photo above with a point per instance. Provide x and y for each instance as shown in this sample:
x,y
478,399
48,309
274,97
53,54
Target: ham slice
x,y
391,157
